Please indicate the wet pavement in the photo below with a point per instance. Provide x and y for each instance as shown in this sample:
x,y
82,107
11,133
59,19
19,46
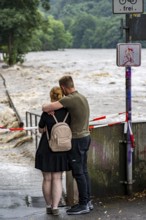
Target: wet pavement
x,y
21,199
17,184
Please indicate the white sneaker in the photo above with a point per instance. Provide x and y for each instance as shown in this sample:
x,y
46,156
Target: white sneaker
x,y
90,205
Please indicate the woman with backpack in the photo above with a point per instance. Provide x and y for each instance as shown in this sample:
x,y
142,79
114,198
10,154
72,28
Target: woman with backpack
x,y
52,164
78,107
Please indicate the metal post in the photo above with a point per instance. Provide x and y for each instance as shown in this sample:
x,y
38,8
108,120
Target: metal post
x,y
129,118
36,132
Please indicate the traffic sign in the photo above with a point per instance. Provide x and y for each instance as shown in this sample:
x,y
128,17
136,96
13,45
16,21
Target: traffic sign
x,y
128,6
128,54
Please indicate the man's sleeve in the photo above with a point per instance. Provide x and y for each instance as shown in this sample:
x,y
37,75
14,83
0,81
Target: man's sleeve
x,y
65,101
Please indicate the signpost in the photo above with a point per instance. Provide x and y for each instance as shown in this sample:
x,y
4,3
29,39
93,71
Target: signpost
x,y
128,55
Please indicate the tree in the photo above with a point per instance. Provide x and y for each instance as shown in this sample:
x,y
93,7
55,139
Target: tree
x,y
91,22
82,29
107,33
55,36
18,20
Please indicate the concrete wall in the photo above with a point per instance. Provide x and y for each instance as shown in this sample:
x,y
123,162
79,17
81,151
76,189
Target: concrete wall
x,y
107,163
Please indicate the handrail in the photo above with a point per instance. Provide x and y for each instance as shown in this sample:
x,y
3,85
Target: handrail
x,y
11,104
32,120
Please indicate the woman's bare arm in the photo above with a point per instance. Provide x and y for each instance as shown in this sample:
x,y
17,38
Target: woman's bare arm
x,y
42,130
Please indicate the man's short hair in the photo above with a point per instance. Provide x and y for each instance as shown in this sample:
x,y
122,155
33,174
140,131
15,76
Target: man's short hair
x,y
66,81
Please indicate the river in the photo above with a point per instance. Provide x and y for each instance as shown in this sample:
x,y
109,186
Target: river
x,y
94,71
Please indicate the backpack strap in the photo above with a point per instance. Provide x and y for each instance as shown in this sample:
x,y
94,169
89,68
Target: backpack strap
x,y
47,133
66,116
55,118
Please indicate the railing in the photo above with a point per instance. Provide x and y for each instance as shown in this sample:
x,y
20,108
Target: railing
x,y
11,104
32,120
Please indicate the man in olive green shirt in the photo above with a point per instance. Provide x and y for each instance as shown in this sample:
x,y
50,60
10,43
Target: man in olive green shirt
x,y
78,108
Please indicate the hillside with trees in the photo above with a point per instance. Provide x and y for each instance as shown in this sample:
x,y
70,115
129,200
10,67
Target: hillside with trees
x,y
41,25
90,22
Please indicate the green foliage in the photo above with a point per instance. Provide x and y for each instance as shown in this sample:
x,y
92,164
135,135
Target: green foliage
x,y
82,30
62,8
107,33
54,36
45,4
91,22
18,21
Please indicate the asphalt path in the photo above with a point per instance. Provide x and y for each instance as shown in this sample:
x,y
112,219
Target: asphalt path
x,y
21,199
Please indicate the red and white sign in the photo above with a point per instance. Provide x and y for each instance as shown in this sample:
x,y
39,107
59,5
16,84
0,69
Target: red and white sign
x,y
129,54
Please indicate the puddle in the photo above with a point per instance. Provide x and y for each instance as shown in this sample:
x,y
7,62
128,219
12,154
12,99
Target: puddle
x,y
35,202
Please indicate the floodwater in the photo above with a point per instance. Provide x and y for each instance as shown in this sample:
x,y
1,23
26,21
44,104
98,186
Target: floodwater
x,y
98,77
95,73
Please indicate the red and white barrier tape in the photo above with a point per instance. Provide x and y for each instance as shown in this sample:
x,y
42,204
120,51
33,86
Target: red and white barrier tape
x,y
35,128
107,116
104,125
95,123
2,127
109,119
131,136
18,129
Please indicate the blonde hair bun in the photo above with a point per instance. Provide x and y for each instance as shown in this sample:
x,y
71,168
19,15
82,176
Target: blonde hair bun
x,y
56,94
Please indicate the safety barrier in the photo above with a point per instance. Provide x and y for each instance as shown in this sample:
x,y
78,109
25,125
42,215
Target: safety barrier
x,y
32,121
